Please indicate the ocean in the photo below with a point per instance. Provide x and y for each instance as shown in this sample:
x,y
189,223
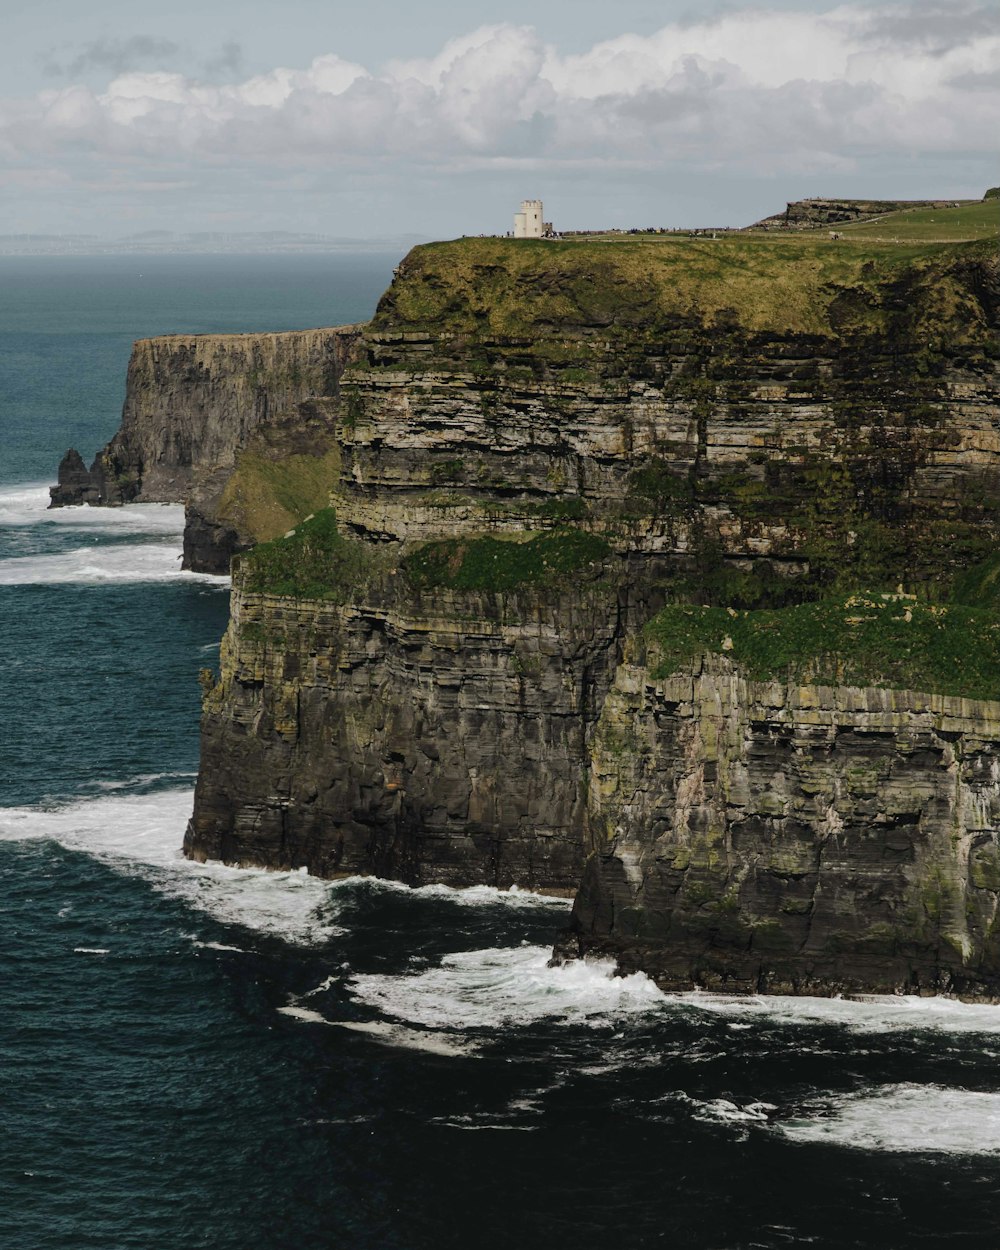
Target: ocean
x,y
199,1056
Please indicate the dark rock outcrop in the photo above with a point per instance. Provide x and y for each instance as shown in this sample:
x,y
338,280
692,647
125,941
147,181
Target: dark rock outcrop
x,y
438,736
808,214
77,484
759,836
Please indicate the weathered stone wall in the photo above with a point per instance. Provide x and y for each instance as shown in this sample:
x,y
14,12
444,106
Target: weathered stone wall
x,y
760,836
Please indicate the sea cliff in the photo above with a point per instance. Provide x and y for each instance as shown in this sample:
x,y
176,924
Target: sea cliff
x,y
652,561
194,404
428,735
766,836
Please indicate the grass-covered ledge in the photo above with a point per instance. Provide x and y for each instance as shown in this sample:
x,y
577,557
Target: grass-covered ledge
x,y
312,561
861,639
506,563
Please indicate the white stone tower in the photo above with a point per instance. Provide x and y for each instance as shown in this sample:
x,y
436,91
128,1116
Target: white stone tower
x,y
528,223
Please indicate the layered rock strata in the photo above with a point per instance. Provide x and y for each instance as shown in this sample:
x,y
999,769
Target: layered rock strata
x,y
437,736
742,431
192,404
763,836
803,437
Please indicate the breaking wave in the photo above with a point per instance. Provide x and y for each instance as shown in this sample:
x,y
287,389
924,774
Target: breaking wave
x,y
904,1118
119,562
29,505
486,989
140,836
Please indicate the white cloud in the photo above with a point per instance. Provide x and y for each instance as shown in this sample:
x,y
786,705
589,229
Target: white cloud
x,y
764,89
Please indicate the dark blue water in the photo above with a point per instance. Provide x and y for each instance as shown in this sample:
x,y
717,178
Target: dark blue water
x,y
194,1056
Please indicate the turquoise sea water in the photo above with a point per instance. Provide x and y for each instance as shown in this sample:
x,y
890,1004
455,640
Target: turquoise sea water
x,y
195,1056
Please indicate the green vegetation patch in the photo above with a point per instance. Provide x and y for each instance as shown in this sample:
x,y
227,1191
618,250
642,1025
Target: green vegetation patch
x,y
504,564
471,289
862,639
979,586
980,220
268,494
314,561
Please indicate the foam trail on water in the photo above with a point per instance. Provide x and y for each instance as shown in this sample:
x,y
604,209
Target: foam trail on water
x,y
28,504
492,988
140,836
464,896
904,1118
876,1013
122,562
433,1043
485,989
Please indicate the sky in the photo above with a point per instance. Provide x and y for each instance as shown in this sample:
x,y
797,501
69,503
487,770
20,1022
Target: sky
x,y
378,118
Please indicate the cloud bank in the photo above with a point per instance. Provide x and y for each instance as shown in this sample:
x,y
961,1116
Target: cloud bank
x,y
755,91
751,87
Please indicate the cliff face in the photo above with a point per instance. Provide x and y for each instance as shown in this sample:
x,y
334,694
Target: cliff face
x,y
763,836
427,736
192,404
814,418
533,449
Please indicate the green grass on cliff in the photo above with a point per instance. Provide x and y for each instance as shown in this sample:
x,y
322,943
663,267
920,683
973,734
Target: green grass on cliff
x,y
314,561
980,220
862,639
979,586
504,564
800,283
268,494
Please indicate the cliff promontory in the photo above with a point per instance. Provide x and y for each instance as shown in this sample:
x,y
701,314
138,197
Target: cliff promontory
x,y
194,406
665,564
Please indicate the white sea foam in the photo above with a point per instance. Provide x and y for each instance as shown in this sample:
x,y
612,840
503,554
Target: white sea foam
x,y
91,950
140,835
465,896
513,986
429,1041
482,1123
304,1014
876,1013
28,504
491,988
102,563
722,1111
904,1118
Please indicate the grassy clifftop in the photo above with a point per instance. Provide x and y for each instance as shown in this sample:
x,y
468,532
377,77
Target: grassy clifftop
x,y
758,283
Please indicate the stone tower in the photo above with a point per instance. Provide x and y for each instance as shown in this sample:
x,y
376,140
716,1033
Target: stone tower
x,y
528,223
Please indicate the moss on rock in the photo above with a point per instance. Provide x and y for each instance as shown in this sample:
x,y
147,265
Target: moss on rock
x,y
313,561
